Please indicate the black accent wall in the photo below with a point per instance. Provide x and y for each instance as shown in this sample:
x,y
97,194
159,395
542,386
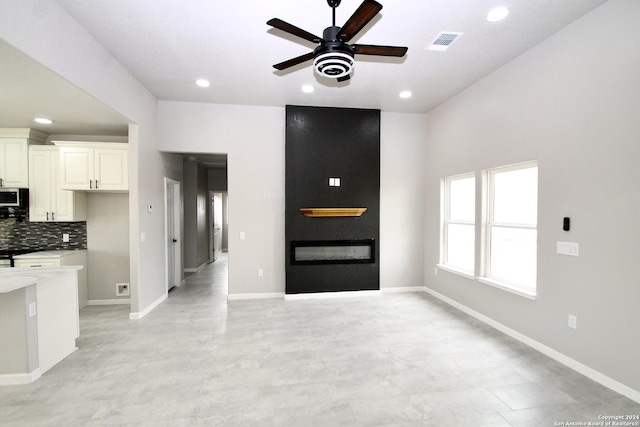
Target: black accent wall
x,y
323,143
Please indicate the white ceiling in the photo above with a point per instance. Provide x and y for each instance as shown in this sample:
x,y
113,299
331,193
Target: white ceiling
x,y
168,44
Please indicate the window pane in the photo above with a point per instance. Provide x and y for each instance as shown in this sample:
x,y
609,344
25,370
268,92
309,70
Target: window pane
x,y
462,199
516,196
461,247
513,256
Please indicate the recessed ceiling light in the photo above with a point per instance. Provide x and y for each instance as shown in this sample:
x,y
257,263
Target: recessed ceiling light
x,y
203,83
43,120
497,14
405,94
307,88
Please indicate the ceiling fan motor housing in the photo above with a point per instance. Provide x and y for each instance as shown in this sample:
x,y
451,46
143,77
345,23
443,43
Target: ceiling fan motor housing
x,y
333,58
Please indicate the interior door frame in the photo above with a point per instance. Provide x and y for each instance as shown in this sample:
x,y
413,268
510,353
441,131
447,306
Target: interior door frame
x,y
173,186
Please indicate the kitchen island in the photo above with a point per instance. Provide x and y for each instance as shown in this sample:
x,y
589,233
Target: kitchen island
x,y
39,320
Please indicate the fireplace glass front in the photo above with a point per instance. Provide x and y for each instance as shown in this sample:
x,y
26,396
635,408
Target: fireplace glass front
x,y
333,251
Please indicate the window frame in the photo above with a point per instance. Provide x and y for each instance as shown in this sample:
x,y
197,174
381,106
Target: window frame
x,y
488,224
445,221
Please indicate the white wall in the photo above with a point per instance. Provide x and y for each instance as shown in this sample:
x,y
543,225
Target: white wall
x,y
402,152
107,243
573,103
254,139
46,33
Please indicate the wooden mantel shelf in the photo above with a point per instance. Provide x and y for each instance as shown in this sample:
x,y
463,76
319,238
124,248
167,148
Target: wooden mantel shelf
x,y
332,212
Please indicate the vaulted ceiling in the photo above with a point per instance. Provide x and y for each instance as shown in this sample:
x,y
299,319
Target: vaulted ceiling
x,y
168,44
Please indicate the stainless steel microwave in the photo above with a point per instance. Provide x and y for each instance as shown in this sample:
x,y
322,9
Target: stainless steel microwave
x,y
14,197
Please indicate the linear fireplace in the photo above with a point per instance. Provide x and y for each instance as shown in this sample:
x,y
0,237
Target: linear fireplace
x,y
310,252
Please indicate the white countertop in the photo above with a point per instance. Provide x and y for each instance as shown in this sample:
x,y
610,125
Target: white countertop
x,y
49,254
15,278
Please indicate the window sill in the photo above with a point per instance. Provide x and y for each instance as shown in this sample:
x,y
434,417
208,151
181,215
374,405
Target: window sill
x,y
462,273
507,287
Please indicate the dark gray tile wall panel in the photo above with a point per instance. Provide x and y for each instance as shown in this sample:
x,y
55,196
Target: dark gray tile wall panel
x,y
322,143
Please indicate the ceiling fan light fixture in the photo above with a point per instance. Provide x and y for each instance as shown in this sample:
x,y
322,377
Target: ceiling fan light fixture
x,y
333,64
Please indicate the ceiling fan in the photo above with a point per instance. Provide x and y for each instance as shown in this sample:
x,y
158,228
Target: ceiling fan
x,y
334,56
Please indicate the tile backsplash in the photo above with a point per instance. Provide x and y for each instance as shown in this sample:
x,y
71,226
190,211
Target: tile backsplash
x,y
15,234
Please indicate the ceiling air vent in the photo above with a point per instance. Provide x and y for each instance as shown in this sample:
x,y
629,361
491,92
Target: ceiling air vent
x,y
444,41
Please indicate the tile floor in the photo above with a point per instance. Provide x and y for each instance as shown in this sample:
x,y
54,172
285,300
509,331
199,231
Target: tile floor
x,y
390,360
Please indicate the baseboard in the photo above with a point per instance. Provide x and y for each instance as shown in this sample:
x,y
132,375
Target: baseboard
x,y
323,295
275,295
60,359
588,372
402,289
141,314
118,301
198,269
19,379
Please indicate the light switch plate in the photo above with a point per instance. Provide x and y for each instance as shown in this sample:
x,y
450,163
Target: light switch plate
x,y
65,237
32,309
243,235
568,248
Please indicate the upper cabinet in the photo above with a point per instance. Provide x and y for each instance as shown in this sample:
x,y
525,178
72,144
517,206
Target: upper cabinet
x,y
14,155
92,166
47,202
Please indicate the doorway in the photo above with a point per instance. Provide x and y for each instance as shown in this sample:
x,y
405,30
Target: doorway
x,y
173,242
217,224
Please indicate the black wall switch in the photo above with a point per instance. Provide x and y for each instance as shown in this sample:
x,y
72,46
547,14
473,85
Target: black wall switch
x,y
566,223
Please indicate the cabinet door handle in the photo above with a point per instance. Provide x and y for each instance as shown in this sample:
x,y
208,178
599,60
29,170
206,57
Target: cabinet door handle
x,y
53,216
1,182
47,216
96,184
90,183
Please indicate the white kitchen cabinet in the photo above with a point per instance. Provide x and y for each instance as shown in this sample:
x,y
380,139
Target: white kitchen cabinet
x,y
14,155
94,166
59,258
47,202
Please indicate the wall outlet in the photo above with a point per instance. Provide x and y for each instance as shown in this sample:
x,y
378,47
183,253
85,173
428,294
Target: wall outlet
x,y
260,272
573,321
65,237
122,289
243,235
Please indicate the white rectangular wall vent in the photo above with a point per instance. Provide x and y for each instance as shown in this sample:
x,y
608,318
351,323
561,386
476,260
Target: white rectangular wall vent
x,y
444,41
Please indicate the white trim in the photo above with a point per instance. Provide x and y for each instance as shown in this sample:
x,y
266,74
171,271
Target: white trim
x,y
60,359
404,289
322,295
198,269
462,273
275,295
118,301
18,379
141,314
591,373
506,287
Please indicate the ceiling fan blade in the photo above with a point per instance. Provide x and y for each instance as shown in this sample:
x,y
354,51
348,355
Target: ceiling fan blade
x,y
292,29
369,49
344,78
361,17
295,61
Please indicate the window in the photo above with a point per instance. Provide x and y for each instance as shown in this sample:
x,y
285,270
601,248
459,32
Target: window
x,y
510,255
509,212
458,224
